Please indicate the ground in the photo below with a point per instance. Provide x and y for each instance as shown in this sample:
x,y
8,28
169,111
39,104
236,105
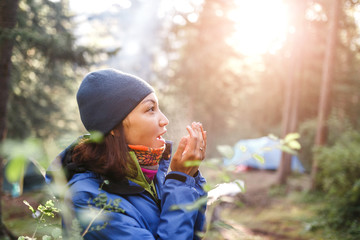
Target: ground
x,y
266,212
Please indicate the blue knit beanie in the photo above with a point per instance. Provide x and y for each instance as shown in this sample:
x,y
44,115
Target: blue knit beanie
x,y
106,97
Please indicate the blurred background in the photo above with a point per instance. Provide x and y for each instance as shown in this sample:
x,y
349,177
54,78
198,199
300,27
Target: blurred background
x,y
245,69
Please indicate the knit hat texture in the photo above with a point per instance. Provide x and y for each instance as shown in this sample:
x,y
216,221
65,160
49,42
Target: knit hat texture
x,y
106,97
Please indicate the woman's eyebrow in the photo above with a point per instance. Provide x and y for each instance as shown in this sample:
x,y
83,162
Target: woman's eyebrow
x,y
149,100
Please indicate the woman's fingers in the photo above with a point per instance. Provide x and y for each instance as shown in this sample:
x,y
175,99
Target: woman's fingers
x,y
181,148
191,147
200,142
192,142
203,133
205,140
196,142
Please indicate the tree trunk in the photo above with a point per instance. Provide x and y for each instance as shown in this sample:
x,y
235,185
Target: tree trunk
x,y
292,89
327,77
8,9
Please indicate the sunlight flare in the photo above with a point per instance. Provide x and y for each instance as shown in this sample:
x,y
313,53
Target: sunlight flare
x,y
260,26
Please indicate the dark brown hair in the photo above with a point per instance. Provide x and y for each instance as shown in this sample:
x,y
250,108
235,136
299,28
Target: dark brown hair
x,y
110,158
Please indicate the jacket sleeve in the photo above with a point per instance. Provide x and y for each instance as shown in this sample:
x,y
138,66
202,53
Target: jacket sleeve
x,y
178,220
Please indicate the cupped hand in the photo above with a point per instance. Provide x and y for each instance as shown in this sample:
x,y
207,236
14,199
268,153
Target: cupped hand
x,y
191,148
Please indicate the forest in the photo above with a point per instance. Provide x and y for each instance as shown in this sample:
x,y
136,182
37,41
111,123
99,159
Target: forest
x,y
283,69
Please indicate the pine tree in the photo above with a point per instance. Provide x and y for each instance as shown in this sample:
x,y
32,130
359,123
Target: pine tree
x,y
8,10
44,58
38,56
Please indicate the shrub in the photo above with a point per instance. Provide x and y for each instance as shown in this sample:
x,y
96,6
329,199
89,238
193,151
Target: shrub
x,y
339,178
340,164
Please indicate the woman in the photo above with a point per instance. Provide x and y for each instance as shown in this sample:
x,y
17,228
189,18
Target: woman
x,y
126,176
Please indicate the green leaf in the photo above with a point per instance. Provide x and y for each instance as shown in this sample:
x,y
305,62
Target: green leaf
x,y
192,163
96,137
201,235
273,137
222,225
242,148
225,177
207,187
30,207
259,158
291,136
226,150
15,169
241,185
294,144
18,153
212,163
198,204
286,149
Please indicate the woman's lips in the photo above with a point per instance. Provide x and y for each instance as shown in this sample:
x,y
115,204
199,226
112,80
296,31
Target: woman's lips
x,y
160,138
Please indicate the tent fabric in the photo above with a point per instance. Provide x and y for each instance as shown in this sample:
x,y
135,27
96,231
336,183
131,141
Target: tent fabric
x,y
266,147
33,181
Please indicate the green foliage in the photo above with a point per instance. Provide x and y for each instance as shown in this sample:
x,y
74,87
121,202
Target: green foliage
x,y
102,205
339,177
197,205
336,127
192,163
15,169
101,201
289,144
49,209
96,137
44,61
339,164
43,211
97,207
258,157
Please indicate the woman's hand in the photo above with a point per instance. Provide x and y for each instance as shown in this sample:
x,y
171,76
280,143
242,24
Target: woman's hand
x,y
191,148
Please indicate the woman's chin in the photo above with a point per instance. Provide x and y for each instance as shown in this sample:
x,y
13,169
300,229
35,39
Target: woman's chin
x,y
159,143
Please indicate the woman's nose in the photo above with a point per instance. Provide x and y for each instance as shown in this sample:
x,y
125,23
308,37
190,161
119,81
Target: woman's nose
x,y
163,120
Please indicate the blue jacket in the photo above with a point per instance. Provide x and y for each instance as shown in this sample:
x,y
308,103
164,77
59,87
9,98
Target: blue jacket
x,y
132,212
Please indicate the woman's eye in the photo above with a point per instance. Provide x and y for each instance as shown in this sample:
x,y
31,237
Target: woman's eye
x,y
151,109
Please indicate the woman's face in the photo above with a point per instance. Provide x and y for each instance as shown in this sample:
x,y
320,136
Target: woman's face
x,y
146,124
